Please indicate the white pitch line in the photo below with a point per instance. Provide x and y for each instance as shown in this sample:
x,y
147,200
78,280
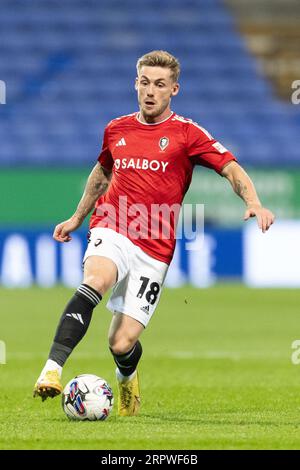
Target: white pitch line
x,y
218,354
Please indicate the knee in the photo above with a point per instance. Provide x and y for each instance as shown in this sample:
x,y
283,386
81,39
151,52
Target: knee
x,y
99,273
96,283
121,345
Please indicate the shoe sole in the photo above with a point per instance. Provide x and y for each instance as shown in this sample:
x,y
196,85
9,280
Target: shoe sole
x,y
46,392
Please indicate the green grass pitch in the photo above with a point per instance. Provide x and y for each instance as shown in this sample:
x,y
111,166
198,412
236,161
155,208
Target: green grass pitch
x,y
216,372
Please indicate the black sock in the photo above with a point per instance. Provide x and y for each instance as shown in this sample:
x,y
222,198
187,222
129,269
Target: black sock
x,y
127,362
74,323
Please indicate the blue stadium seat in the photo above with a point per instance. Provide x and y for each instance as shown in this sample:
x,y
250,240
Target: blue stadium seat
x,y
70,68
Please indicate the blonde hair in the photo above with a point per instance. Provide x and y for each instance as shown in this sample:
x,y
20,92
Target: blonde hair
x,y
160,59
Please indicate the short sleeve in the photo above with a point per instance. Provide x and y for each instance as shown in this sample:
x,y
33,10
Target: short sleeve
x,y
204,150
105,158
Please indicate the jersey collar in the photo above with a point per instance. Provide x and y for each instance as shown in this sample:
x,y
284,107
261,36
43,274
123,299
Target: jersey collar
x,y
154,123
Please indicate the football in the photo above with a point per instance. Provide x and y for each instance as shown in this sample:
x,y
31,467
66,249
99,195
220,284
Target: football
x,y
87,397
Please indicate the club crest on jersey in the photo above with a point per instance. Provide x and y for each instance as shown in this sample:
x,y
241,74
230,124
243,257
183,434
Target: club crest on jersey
x,y
163,143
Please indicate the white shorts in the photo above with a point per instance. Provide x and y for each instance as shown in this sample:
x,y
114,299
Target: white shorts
x,y
140,277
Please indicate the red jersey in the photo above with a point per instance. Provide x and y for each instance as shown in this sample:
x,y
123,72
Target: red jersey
x,y
152,166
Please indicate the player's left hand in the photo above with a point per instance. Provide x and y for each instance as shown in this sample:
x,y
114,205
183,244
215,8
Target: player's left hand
x,y
265,218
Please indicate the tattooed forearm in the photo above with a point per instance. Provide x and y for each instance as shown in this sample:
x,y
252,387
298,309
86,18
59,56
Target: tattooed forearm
x,y
240,188
241,183
245,191
97,185
98,182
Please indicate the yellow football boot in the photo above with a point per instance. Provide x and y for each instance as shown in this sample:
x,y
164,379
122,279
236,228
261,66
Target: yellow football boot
x,y
48,386
129,396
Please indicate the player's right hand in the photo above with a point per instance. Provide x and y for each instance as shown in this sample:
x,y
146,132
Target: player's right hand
x,y
62,231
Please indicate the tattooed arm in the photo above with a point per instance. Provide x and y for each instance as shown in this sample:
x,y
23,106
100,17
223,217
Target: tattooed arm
x,y
244,188
97,184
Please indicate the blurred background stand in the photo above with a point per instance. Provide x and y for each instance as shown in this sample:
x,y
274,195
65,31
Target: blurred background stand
x,y
69,68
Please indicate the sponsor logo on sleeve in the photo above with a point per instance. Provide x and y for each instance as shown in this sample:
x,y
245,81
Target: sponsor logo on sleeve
x,y
219,147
